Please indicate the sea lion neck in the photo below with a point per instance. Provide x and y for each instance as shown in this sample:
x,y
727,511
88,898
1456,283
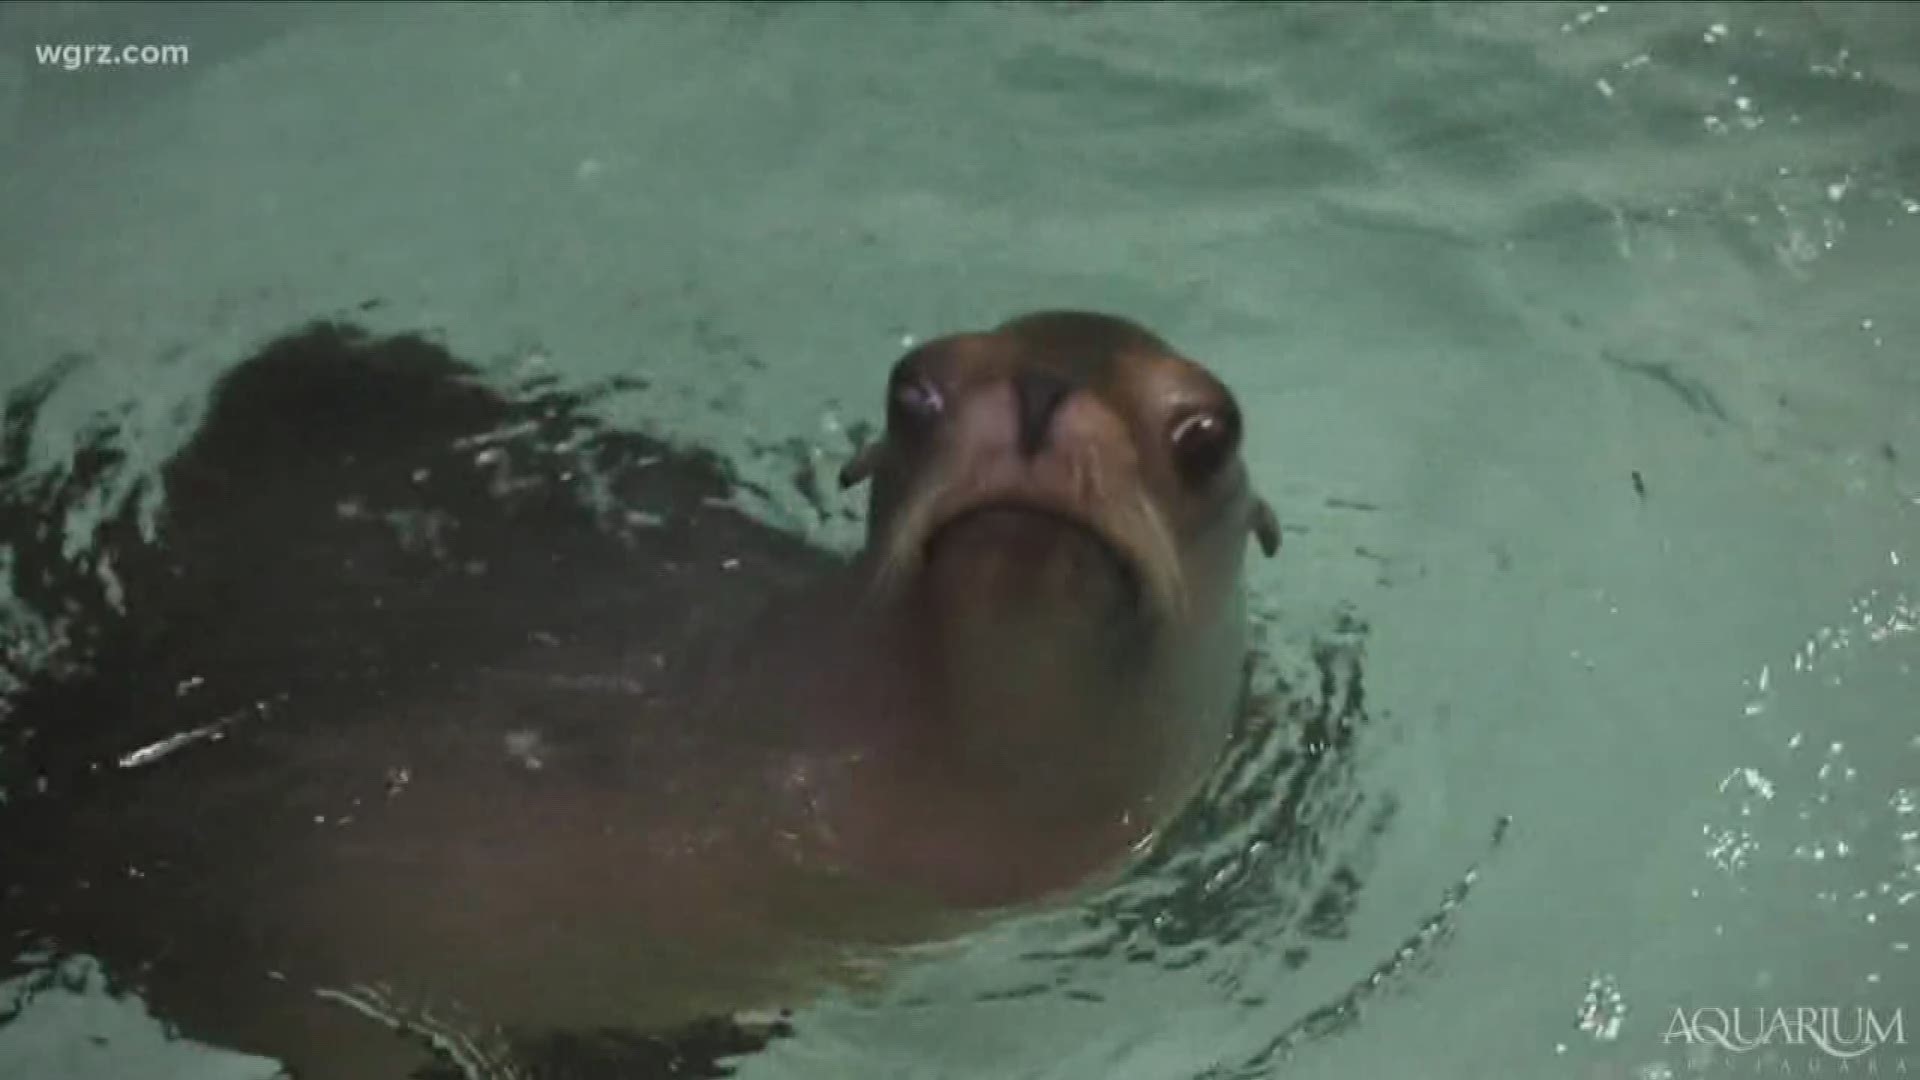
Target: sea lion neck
x,y
1030,713
979,758
1007,700
1023,654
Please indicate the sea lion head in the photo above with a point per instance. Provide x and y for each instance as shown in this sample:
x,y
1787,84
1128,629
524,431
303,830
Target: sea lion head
x,y
1064,459
1058,519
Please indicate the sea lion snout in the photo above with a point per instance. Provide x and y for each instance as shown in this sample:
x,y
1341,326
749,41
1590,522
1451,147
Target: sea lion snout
x,y
1025,473
1088,420
1032,439
1039,392
1026,501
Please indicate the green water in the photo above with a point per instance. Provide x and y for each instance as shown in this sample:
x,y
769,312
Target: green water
x,y
1577,344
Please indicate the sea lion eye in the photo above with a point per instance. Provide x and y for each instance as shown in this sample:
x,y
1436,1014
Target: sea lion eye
x,y
913,401
1202,443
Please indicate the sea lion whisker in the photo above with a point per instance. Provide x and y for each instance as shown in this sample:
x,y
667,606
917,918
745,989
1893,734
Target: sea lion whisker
x,y
1091,477
904,548
1160,556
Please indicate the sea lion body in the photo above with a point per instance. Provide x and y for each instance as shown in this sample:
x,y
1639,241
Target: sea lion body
x,y
642,820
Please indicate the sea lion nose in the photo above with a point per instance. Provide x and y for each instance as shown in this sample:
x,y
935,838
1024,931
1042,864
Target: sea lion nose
x,y
1038,395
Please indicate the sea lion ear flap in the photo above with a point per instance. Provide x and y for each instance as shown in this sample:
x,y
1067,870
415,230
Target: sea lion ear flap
x,y
860,466
1265,528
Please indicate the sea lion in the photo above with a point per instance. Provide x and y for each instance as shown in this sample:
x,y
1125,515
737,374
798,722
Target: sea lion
x,y
652,815
1051,583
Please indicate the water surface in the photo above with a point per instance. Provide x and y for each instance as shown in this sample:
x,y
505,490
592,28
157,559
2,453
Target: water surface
x,y
1577,343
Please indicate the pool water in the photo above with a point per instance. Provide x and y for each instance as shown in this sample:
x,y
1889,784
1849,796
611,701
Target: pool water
x,y
1577,345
